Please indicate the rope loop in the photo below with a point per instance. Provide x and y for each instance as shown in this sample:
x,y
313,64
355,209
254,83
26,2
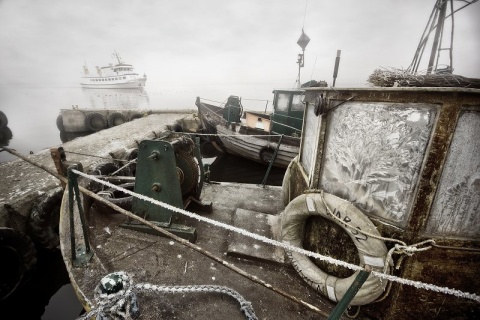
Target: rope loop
x,y
116,297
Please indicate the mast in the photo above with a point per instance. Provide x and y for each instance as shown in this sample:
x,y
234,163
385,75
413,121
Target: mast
x,y
437,22
442,6
117,56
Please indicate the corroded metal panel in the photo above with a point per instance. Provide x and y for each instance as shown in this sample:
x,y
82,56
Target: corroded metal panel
x,y
373,155
456,208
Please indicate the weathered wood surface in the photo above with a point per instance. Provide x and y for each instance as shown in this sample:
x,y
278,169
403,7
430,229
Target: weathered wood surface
x,y
161,261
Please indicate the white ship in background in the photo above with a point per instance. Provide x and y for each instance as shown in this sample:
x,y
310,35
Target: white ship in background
x,y
120,75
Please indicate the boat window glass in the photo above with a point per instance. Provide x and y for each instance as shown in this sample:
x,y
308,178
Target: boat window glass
x,y
283,99
297,102
373,154
455,207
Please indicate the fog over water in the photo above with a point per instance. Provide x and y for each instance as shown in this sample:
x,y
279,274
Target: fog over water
x,y
207,48
32,111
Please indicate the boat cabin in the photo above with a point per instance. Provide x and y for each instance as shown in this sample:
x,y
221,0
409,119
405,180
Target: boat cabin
x,y
408,159
287,116
288,109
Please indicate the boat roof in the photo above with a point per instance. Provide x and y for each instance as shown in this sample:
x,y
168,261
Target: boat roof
x,y
395,89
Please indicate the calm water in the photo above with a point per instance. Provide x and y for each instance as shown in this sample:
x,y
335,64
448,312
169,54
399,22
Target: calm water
x,y
32,113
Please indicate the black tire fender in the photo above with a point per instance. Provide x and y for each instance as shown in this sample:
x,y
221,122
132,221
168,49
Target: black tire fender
x,y
5,136
116,197
44,219
95,121
19,256
100,169
60,125
116,119
135,115
266,154
3,120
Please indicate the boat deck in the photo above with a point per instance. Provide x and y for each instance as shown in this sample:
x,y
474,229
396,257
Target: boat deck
x,y
161,261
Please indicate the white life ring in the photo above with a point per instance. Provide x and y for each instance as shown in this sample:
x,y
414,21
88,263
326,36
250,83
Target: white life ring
x,y
371,251
286,189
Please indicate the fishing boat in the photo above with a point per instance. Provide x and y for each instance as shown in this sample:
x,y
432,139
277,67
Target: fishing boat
x,y
120,75
363,211
255,135
392,179
270,138
128,257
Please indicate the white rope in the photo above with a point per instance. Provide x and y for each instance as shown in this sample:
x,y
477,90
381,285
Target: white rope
x,y
234,135
287,246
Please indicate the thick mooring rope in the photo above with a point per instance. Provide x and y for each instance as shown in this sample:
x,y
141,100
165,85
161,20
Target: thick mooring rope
x,y
287,246
123,303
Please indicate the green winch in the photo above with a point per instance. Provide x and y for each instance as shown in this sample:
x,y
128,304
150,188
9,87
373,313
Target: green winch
x,y
170,170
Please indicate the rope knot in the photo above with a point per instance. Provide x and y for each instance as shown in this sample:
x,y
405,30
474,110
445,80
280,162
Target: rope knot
x,y
115,298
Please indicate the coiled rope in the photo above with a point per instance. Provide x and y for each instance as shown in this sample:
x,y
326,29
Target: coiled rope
x,y
123,303
287,246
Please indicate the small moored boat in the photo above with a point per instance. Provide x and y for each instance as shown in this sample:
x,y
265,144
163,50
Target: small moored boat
x,y
255,135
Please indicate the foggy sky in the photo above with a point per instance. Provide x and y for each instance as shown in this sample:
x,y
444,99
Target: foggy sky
x,y
218,41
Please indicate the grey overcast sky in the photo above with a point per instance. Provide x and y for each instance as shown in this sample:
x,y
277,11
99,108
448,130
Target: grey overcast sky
x,y
221,41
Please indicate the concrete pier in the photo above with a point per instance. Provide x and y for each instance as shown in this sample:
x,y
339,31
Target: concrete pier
x,y
21,182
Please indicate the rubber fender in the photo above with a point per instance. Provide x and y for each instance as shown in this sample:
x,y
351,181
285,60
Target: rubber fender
x,y
3,120
44,219
5,136
266,154
101,169
95,121
135,115
18,256
116,197
60,125
116,119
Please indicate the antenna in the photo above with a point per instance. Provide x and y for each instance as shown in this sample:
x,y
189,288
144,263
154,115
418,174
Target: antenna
x,y
337,63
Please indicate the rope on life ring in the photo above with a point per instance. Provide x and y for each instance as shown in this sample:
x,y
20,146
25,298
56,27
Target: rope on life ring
x,y
116,119
266,154
371,251
95,121
44,219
